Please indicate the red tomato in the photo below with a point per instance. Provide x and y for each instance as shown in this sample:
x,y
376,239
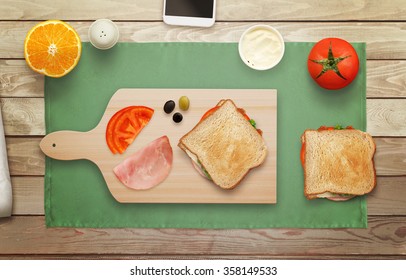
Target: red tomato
x,y
125,125
333,63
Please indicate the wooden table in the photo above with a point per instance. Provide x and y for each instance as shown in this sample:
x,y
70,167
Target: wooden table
x,y
381,24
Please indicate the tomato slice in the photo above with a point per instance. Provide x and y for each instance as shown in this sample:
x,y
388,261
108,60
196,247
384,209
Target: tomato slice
x,y
242,111
125,125
209,112
321,128
303,154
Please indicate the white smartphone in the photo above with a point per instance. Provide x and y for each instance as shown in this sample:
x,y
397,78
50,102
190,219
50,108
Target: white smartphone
x,y
189,12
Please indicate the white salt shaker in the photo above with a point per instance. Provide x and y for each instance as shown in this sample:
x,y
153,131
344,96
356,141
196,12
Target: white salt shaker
x,y
103,34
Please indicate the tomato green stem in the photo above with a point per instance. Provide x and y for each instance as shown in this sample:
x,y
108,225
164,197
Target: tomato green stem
x,y
330,63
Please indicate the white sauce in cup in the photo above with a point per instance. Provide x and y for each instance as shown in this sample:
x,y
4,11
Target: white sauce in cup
x,y
261,47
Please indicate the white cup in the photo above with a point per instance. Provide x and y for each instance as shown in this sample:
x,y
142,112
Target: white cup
x,y
261,47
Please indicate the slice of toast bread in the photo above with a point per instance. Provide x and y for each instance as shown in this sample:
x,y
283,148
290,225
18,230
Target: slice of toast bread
x,y
338,162
226,145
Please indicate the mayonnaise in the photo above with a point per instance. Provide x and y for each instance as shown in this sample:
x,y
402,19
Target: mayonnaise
x,y
261,47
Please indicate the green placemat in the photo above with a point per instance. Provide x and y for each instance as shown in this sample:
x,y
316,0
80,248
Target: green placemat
x,y
76,194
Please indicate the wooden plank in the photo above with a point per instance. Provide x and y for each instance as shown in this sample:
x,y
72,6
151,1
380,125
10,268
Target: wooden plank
x,y
28,235
81,10
25,157
309,10
18,80
390,157
200,257
388,197
384,40
227,10
28,195
386,117
385,79
25,116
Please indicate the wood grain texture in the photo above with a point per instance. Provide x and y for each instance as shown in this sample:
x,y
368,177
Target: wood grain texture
x,y
28,195
227,10
89,10
388,197
18,80
385,79
390,156
198,257
384,236
384,40
386,117
25,116
24,156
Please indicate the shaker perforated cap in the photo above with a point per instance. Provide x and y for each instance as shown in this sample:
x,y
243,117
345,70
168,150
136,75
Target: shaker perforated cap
x,y
103,34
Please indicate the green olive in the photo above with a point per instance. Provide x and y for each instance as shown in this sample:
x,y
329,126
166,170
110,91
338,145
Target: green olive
x,y
184,103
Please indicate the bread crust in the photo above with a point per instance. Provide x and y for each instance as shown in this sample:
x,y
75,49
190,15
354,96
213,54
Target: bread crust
x,y
314,195
183,146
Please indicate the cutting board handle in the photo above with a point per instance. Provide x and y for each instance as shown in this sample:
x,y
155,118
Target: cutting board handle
x,y
69,145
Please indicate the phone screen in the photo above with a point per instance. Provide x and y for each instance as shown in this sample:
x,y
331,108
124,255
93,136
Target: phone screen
x,y
189,8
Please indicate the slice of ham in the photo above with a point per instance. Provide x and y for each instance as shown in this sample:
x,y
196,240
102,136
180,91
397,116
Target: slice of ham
x,y
147,167
334,196
337,198
198,169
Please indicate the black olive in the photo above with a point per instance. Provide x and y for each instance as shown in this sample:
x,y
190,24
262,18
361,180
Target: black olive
x,y
169,106
177,117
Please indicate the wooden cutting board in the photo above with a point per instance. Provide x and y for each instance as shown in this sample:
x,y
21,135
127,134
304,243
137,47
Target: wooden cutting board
x,y
184,184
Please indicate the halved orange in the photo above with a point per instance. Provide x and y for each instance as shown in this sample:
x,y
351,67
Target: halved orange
x,y
52,48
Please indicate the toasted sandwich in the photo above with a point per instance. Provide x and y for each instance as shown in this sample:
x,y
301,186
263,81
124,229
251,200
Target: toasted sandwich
x,y
225,145
338,163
